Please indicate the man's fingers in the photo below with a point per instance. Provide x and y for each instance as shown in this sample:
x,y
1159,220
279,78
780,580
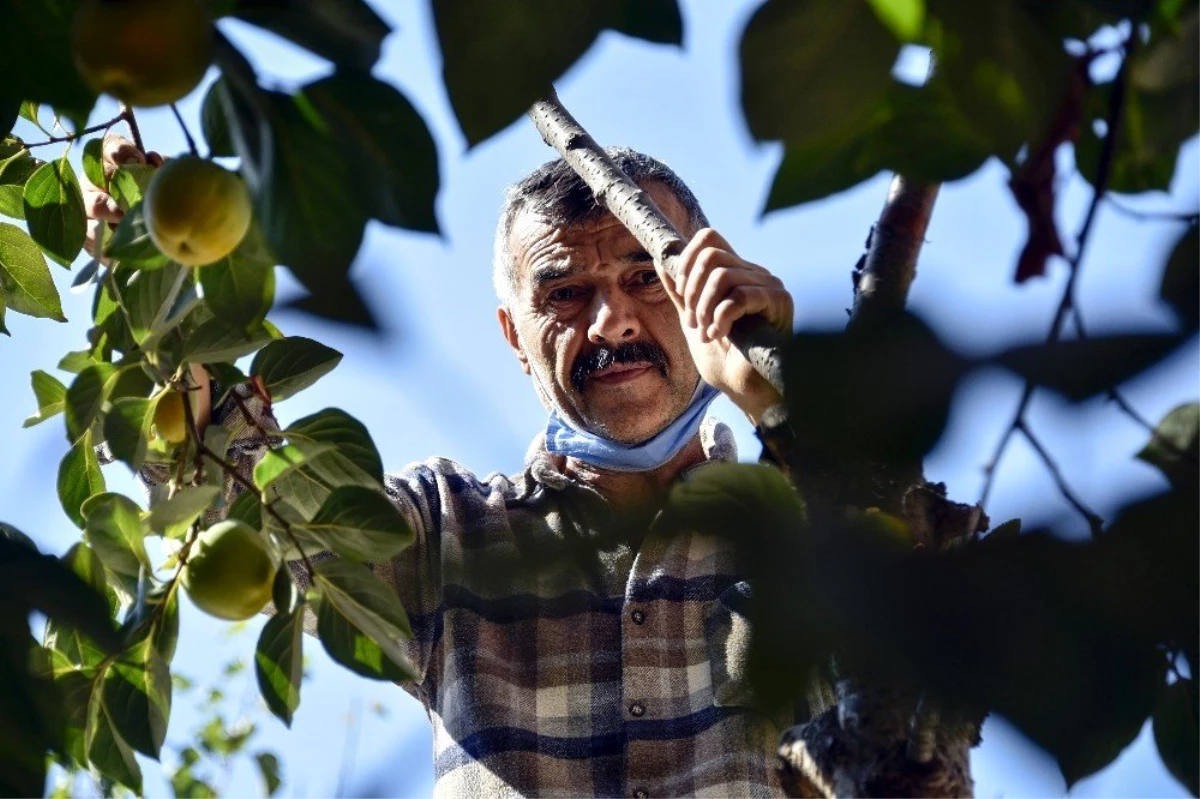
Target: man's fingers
x,y
98,204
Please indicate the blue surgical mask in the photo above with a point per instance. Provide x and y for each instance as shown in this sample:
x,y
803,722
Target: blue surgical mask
x,y
563,439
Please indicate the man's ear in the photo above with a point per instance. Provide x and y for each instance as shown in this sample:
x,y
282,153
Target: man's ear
x,y
510,335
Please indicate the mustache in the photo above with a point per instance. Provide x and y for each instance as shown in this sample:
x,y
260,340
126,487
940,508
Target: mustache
x,y
602,357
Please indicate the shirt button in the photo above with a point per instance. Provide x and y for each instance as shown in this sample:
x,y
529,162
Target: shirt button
x,y
637,710
640,794
638,616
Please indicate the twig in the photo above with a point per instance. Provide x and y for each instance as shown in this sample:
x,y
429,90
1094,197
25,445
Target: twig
x,y
1065,304
77,135
134,130
1190,217
1095,523
191,143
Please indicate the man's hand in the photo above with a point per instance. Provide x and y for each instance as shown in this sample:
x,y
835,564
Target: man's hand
x,y
715,288
101,208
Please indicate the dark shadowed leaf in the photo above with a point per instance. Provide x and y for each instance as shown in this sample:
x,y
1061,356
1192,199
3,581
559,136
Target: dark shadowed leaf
x,y
338,428
51,397
86,396
93,162
292,364
239,288
54,210
279,663
25,279
219,340
359,523
391,150
137,695
1176,735
1082,368
360,615
38,32
247,508
268,768
1175,447
347,32
214,125
1181,280
79,477
885,389
813,70
106,750
338,301
499,58
114,530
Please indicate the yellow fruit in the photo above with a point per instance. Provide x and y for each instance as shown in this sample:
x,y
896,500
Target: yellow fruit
x,y
169,418
197,211
229,571
143,52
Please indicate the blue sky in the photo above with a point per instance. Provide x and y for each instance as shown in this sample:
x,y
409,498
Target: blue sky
x,y
441,381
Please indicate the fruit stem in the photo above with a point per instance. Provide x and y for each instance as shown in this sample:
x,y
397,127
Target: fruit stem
x,y
191,143
131,120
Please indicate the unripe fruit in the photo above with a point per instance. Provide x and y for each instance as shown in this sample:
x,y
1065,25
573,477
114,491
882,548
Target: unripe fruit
x,y
229,571
169,418
197,211
143,52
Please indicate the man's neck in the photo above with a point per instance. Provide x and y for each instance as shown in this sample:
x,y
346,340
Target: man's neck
x,y
636,490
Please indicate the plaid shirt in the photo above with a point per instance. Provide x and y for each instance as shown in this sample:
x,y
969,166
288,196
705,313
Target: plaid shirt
x,y
559,656
560,652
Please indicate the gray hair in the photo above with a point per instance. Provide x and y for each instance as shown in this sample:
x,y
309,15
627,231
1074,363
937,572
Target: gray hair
x,y
555,193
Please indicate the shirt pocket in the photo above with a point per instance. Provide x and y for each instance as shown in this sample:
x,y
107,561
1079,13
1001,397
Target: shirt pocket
x,y
727,630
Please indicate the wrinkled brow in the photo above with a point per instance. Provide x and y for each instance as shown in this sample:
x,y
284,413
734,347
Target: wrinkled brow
x,y
548,274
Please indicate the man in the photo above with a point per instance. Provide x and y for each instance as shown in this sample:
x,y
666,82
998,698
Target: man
x,y
564,644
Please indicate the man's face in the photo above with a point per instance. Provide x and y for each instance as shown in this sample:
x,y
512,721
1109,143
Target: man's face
x,y
591,323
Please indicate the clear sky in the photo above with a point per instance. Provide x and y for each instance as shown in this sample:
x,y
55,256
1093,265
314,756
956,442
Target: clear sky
x,y
441,381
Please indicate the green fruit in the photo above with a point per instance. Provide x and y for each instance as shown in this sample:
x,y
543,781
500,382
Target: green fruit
x,y
143,52
229,571
169,418
197,211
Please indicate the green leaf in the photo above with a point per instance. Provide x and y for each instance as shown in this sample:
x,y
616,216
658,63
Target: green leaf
x,y
129,184
93,162
360,524
51,397
66,639
158,301
724,497
905,18
106,750
213,124
15,170
87,395
1175,445
812,70
127,429
247,508
391,151
1176,735
54,210
137,695
216,340
279,663
113,528
24,277
348,33
359,616
498,58
282,459
75,362
335,426
79,478
268,767
131,243
239,288
164,631
172,517
292,364
1181,280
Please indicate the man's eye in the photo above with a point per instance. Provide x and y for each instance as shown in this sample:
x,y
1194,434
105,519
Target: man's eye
x,y
648,277
564,294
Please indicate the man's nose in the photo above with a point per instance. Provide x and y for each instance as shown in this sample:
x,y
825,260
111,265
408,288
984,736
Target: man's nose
x,y
613,320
